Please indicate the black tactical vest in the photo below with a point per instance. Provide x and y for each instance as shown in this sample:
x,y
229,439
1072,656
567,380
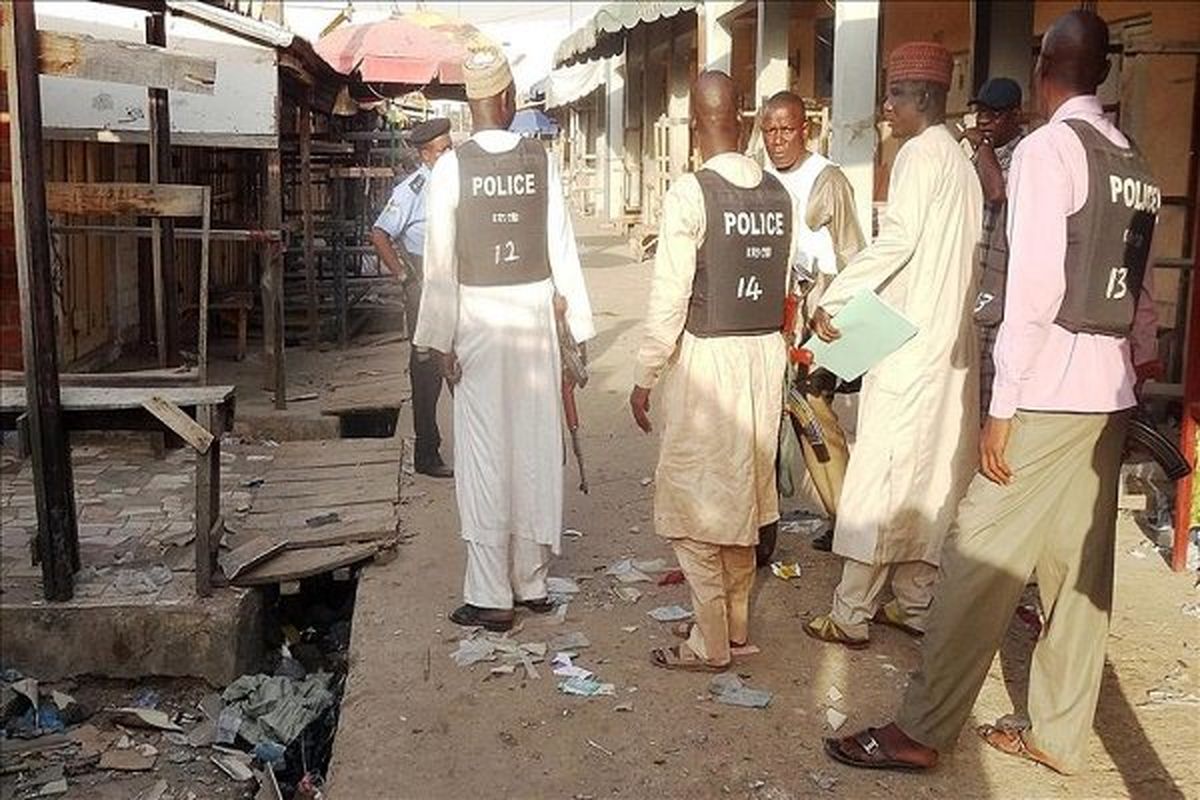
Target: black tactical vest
x,y
992,260
742,266
1108,239
501,216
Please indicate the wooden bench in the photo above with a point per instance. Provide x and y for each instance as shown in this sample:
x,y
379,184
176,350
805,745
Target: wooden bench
x,y
156,409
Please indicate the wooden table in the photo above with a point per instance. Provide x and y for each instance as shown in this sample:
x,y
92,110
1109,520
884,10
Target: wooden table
x,y
96,408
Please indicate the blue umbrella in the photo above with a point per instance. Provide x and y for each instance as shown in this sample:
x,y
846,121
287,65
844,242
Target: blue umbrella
x,y
533,122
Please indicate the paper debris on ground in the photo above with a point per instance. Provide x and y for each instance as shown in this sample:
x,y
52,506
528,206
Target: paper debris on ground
x,y
625,572
629,628
275,707
834,695
785,571
472,651
826,782
504,669
129,760
673,613
134,717
569,641
562,667
153,792
834,718
624,707
646,481
729,689
561,586
571,533
587,687
1190,609
651,565
627,593
232,767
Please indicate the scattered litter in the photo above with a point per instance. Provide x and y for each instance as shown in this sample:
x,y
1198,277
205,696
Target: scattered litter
x,y
27,688
889,667
561,586
651,565
571,533
323,519
134,717
142,581
562,667
627,593
146,698
646,481
834,718
127,760
834,695
785,571
232,767
277,708
177,739
635,529
268,752
629,628
228,723
623,707
62,700
1190,609
625,572
673,613
587,687
504,669
729,689
601,748
153,792
472,651
671,578
823,781
569,641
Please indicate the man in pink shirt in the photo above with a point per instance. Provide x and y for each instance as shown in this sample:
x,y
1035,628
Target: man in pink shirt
x,y
1077,334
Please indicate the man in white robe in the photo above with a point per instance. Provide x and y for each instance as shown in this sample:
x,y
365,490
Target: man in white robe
x,y
499,246
918,423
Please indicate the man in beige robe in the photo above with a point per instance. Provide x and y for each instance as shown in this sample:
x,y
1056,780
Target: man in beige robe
x,y
919,409
712,341
827,237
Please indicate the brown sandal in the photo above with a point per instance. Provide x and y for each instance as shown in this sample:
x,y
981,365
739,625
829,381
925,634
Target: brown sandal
x,y
683,630
671,658
870,754
1012,742
826,630
888,615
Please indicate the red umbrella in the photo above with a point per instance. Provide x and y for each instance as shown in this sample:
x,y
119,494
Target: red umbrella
x,y
413,50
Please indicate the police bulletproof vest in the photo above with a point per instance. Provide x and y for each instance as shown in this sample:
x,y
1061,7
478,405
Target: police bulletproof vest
x,y
992,260
501,216
742,266
1108,239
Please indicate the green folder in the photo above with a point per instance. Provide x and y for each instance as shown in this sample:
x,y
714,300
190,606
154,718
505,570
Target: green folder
x,y
871,330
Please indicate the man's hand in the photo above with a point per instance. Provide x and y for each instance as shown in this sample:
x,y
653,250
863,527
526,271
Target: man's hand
x,y
451,369
639,404
993,441
822,325
974,136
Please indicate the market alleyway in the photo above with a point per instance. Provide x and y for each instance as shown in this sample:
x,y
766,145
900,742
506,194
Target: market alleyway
x,y
414,724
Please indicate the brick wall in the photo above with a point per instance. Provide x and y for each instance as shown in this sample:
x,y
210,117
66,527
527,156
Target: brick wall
x,y
10,304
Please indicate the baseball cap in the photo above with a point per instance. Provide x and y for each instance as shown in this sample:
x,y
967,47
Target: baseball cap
x,y
998,94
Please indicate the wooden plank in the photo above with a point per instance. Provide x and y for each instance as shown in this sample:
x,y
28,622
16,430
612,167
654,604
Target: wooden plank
x,y
84,398
177,376
184,426
71,55
57,540
362,172
141,231
215,140
324,501
303,475
338,459
250,554
292,565
119,199
166,280
272,280
382,514
338,486
208,501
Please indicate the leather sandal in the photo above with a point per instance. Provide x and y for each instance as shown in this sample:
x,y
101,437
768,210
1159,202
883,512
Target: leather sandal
x,y
491,619
1012,742
539,605
864,750
673,658
891,616
824,629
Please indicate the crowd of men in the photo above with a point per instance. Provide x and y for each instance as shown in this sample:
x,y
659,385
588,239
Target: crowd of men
x,y
987,446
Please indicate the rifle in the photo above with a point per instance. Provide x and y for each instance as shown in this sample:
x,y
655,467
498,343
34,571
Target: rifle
x,y
574,367
1143,434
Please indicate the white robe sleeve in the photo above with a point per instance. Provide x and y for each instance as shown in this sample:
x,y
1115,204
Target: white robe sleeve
x,y
909,191
564,260
438,318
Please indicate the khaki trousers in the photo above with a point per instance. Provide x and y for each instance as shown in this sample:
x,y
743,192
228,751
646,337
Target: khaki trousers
x,y
856,598
498,574
720,578
827,476
1059,516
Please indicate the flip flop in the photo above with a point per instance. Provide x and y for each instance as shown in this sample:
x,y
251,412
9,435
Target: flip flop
x,y
873,754
683,630
670,658
888,615
826,630
1012,742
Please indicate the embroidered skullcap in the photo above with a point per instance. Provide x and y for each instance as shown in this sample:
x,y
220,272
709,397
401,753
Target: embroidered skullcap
x,y
921,61
485,70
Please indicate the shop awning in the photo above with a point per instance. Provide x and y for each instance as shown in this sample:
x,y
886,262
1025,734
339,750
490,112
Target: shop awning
x,y
567,84
599,35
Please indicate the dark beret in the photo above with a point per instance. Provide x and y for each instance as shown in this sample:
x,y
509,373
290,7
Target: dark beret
x,y
425,132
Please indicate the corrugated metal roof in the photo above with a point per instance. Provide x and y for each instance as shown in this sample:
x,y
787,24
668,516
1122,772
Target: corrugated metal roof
x,y
615,18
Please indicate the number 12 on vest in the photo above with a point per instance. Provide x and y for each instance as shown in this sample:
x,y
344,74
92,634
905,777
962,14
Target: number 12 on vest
x,y
507,253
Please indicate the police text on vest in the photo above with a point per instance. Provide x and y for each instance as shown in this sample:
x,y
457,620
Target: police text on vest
x,y
754,223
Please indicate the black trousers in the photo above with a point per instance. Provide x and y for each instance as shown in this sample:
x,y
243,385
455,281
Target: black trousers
x,y
425,374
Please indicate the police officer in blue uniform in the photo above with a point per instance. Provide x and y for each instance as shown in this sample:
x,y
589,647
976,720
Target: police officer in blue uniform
x,y
399,239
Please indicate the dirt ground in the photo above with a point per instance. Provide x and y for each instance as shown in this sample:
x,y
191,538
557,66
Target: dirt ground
x,y
415,725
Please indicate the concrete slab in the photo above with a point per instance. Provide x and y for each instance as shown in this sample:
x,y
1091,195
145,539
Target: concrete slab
x,y
215,639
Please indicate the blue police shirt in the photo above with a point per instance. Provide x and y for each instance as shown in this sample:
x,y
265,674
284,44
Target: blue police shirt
x,y
403,218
